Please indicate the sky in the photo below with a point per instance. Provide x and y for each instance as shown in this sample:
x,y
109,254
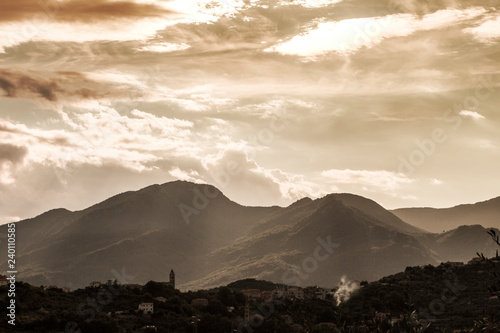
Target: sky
x,y
270,101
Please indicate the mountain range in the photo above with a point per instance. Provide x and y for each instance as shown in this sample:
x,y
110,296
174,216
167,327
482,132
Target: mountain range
x,y
210,240
486,213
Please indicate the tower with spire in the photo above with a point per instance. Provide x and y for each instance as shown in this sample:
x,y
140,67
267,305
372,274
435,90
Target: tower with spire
x,y
172,278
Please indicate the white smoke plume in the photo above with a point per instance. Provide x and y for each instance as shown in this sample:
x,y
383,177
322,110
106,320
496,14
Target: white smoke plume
x,y
346,288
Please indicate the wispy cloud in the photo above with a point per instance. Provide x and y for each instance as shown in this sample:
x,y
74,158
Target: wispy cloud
x,y
164,47
375,179
54,86
471,114
348,36
309,3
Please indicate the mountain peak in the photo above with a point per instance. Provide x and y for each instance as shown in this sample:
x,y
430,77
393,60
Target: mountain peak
x,y
300,202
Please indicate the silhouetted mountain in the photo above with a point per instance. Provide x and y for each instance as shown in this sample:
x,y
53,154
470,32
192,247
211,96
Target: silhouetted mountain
x,y
459,244
210,240
363,247
485,213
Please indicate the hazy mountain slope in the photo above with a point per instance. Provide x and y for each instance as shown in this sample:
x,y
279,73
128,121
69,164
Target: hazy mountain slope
x,y
210,240
460,244
365,249
486,213
83,246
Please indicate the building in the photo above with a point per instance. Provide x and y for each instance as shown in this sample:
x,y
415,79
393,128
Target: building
x,y
267,296
199,302
296,328
49,287
252,293
454,263
381,316
160,299
95,284
320,293
132,286
476,260
171,279
3,281
280,292
147,308
295,292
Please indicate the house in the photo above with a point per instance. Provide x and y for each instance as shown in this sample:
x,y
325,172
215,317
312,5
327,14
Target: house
x,y
267,296
161,299
381,316
252,293
3,281
280,291
295,292
199,302
288,319
132,286
147,308
50,287
320,293
325,327
296,328
475,260
455,263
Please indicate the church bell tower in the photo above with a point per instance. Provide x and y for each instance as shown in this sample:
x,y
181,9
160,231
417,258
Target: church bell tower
x,y
172,278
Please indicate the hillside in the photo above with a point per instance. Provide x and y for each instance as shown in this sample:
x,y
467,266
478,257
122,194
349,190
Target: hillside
x,y
485,213
210,240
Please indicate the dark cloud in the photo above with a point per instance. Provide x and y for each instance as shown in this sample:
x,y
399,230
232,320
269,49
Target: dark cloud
x,y
51,86
12,153
77,10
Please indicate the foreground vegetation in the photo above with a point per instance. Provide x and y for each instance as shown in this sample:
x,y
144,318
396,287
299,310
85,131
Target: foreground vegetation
x,y
447,298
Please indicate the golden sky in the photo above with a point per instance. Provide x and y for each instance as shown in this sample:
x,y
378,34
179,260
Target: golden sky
x,y
270,101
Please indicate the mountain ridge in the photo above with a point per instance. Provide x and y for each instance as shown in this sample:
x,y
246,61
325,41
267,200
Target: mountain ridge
x,y
147,233
486,213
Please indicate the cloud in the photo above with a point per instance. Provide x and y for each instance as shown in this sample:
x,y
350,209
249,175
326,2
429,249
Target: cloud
x,y
99,135
422,7
78,10
191,175
471,114
164,47
81,21
10,156
436,181
488,31
53,86
208,10
12,153
309,3
378,179
350,35
231,171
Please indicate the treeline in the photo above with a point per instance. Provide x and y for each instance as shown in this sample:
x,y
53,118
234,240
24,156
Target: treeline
x,y
431,299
